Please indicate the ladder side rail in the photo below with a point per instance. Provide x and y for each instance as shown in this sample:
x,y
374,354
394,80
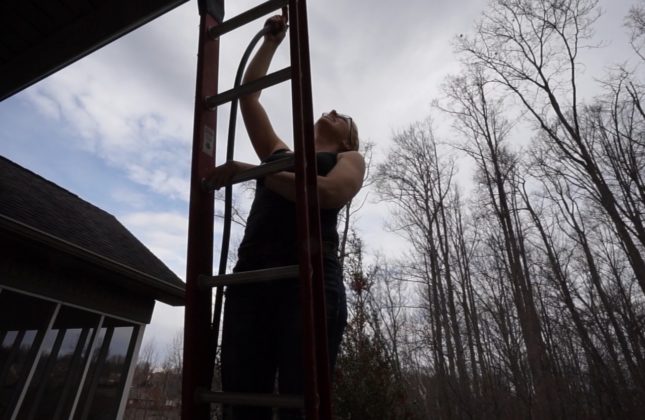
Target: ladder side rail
x,y
196,361
306,292
304,256
315,232
317,400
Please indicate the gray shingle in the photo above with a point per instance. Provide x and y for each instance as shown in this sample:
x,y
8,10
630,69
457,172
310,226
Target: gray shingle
x,y
34,201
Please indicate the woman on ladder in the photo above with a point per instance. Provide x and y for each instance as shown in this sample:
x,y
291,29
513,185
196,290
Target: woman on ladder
x,y
262,333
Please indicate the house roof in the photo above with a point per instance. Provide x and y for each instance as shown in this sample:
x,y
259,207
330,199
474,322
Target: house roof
x,y
39,37
35,208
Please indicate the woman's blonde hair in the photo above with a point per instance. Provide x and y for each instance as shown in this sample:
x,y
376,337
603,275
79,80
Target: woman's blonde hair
x,y
353,140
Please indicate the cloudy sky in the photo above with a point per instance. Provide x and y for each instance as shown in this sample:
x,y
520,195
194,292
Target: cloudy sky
x,y
115,127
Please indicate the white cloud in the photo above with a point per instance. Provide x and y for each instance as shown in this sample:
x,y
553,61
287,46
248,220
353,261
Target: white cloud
x,y
134,113
164,233
128,197
46,105
160,180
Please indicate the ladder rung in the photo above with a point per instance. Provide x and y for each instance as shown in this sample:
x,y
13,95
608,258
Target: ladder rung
x,y
258,400
246,17
258,84
259,171
248,277
265,169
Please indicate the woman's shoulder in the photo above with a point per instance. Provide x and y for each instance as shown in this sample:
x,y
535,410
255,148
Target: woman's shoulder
x,y
351,156
352,162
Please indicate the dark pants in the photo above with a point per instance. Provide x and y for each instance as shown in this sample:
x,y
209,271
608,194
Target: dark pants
x,y
262,340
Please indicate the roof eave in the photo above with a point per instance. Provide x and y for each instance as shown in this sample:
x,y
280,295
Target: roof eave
x,y
110,21
159,289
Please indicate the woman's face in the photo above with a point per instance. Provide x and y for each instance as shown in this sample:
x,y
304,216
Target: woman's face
x,y
336,126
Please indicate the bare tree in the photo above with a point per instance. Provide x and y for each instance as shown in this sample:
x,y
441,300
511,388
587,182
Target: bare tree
x,y
635,21
419,183
480,120
147,363
531,48
368,384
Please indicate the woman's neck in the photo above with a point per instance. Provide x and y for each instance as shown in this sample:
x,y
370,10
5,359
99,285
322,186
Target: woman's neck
x,y
325,144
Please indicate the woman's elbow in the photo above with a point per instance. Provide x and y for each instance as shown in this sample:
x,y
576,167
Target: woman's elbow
x,y
249,100
335,193
332,199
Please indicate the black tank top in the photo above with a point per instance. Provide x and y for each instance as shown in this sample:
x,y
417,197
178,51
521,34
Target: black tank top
x,y
270,236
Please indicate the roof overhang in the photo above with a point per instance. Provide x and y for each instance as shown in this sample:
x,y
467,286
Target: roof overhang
x,y
40,37
130,278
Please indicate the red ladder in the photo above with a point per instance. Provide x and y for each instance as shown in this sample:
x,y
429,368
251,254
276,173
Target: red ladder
x,y
199,352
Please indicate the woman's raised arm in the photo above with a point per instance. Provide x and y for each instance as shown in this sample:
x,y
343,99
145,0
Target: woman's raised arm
x,y
263,138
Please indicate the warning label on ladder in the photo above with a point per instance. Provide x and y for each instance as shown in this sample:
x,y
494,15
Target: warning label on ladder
x,y
208,145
